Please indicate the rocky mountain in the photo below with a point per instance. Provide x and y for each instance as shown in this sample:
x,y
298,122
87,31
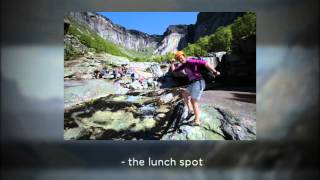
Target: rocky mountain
x,y
208,22
130,39
176,37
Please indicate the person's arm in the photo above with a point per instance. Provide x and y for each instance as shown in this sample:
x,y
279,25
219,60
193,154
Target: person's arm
x,y
210,68
205,64
174,69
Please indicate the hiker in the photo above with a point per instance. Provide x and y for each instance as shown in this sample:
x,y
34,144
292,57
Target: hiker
x,y
120,72
141,80
96,73
132,76
125,71
114,73
193,93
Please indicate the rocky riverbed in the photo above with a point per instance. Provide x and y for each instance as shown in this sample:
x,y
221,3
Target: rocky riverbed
x,y
76,92
147,107
151,115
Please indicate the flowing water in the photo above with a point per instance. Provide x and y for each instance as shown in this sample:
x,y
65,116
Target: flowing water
x,y
148,111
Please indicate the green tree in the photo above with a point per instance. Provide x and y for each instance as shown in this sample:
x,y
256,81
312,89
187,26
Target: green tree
x,y
195,50
221,40
168,56
204,42
244,26
226,38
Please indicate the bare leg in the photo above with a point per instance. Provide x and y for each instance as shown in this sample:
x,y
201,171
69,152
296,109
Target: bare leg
x,y
196,108
186,100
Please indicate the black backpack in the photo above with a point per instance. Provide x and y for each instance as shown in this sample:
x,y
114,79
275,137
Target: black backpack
x,y
207,75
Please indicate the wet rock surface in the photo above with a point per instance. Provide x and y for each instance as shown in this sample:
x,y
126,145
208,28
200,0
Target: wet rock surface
x,y
151,115
76,92
136,115
76,133
216,124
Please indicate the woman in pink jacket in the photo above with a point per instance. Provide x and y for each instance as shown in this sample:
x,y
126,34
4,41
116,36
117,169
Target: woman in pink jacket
x,y
193,93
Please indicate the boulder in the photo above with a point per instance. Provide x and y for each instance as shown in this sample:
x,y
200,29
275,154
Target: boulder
x,y
152,83
135,85
216,124
239,67
156,70
166,98
145,85
76,133
235,129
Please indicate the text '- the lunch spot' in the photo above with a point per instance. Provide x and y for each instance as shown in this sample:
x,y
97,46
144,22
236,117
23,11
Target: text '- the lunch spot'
x,y
169,162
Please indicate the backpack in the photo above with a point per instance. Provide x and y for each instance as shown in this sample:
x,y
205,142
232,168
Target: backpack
x,y
207,75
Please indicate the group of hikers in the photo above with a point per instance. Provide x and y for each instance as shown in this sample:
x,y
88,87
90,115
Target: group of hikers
x,y
192,67
115,72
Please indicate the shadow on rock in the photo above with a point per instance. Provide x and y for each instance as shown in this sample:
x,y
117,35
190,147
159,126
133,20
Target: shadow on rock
x,y
134,116
249,98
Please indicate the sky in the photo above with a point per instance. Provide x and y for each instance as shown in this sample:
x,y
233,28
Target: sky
x,y
150,22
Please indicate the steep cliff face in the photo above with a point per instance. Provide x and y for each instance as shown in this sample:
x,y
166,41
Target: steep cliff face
x,y
176,37
208,22
130,39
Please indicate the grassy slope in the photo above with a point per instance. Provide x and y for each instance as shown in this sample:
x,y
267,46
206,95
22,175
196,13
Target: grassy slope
x,y
92,40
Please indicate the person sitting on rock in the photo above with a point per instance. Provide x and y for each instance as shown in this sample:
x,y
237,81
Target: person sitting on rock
x,y
104,71
114,73
141,80
193,93
132,76
96,73
120,72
